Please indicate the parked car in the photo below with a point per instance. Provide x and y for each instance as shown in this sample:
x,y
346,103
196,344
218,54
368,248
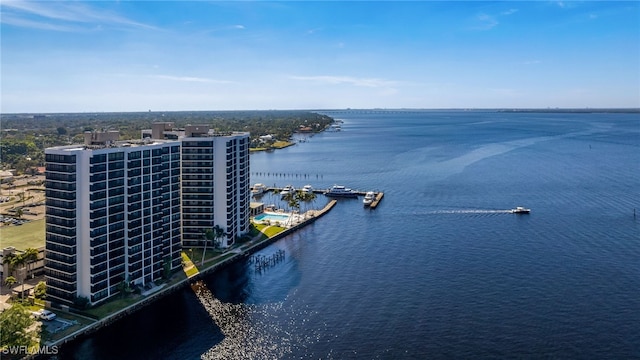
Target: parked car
x,y
47,315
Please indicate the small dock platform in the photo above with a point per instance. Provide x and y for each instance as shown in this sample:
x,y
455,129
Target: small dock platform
x,y
377,200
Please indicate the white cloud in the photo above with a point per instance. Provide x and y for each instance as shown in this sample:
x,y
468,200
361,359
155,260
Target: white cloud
x,y
62,12
336,80
9,19
189,79
487,22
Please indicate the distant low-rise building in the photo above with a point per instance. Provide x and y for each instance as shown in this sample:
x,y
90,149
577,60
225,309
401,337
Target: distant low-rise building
x,y
6,176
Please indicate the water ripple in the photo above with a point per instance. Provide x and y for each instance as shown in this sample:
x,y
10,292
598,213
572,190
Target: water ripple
x,y
254,331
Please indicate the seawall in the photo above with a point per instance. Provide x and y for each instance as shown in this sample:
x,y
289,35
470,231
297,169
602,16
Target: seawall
x,y
241,253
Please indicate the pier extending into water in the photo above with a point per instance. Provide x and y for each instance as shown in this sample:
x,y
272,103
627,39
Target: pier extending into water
x,y
374,204
263,262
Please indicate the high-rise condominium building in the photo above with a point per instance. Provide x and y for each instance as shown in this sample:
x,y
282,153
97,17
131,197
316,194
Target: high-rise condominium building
x,y
215,185
113,216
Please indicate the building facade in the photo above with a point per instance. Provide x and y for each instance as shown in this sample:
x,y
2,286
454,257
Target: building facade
x,y
113,216
215,185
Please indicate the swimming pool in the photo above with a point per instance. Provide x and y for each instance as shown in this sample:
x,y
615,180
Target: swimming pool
x,y
271,217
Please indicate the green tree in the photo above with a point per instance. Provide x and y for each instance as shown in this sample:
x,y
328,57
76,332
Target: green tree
x,y
19,262
306,197
40,290
218,233
15,323
166,267
293,201
11,260
10,281
19,213
61,131
31,255
124,288
208,236
81,302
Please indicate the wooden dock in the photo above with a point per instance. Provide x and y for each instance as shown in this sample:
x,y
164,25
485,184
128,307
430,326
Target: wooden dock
x,y
377,200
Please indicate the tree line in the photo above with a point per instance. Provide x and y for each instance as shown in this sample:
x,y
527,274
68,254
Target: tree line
x,y
25,136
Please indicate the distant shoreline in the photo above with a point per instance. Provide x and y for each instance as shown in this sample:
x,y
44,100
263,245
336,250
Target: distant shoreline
x,y
588,110
525,110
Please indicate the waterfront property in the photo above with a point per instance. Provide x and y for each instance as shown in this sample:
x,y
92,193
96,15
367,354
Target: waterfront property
x,y
112,216
118,212
215,185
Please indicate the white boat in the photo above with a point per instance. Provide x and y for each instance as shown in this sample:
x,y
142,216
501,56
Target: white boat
x,y
520,210
340,191
307,189
289,189
368,198
258,189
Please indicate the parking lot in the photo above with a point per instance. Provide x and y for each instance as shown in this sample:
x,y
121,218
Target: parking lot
x,y
57,324
13,221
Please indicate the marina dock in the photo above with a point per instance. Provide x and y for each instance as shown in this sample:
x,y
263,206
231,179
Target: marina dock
x,y
373,205
377,200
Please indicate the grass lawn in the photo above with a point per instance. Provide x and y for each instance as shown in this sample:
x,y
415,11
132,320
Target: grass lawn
x,y
196,254
24,236
189,267
276,145
113,305
282,144
269,230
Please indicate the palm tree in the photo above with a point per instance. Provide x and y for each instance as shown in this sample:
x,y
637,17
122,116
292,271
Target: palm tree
x,y
19,261
208,236
11,260
306,196
218,233
10,281
19,213
31,256
293,202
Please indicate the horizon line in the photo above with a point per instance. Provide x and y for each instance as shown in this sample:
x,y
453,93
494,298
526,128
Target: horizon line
x,y
629,109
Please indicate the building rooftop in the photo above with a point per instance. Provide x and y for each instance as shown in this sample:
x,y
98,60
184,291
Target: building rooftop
x,y
113,144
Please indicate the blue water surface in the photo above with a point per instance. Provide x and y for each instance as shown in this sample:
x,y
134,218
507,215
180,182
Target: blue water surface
x,y
441,269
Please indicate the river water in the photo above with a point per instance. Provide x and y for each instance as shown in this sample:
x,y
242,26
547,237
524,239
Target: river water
x,y
441,269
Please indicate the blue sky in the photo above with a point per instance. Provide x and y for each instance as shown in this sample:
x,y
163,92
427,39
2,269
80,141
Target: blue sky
x,y
77,56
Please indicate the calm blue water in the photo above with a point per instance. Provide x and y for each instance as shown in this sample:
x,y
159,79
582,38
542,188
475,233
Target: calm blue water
x,y
440,269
